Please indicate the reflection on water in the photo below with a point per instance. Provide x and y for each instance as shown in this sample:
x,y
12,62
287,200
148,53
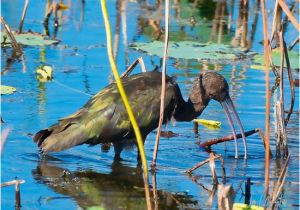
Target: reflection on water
x,y
80,63
122,188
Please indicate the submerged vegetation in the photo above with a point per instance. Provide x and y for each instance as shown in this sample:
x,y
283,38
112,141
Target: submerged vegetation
x,y
182,39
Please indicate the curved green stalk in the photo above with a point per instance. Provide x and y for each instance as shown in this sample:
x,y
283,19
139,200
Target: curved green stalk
x,y
125,101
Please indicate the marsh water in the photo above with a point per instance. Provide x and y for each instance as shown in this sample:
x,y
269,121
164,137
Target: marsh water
x,y
84,176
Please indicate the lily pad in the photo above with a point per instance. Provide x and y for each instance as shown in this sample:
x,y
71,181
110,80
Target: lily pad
x,y
217,53
5,90
29,39
260,60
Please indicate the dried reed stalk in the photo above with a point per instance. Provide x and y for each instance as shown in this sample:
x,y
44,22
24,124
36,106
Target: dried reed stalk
x,y
23,16
212,167
279,184
201,164
282,137
294,43
291,80
267,139
163,88
225,197
132,66
289,14
117,30
17,49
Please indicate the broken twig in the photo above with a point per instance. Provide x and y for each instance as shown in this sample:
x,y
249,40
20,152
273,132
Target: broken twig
x,y
226,138
14,44
132,66
17,190
201,164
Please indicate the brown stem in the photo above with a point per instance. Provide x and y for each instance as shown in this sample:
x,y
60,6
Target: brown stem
x,y
248,191
15,46
294,43
132,66
282,138
154,190
291,80
212,167
17,190
289,14
23,16
18,196
117,30
266,53
226,138
201,164
279,184
49,10
286,18
163,88
277,24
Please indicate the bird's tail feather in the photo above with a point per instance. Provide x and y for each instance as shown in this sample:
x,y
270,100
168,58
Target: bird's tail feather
x,y
56,139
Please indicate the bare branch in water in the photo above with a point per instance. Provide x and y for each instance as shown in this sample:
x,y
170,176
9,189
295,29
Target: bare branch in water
x,y
201,164
211,142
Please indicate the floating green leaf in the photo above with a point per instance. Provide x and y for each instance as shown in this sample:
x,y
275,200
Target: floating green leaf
x,y
276,57
96,208
30,39
242,206
5,90
217,53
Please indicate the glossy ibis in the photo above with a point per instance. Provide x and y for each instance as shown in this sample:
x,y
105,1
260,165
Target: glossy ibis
x,y
103,119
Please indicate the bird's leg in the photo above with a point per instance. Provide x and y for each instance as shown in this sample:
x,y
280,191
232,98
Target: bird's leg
x,y
118,147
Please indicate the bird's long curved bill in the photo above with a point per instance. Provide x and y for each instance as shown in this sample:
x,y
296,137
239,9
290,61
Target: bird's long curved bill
x,y
228,106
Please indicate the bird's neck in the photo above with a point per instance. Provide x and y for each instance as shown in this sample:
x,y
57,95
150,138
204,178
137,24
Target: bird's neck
x,y
187,111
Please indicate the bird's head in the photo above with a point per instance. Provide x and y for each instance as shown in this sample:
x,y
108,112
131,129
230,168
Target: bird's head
x,y
211,85
215,86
